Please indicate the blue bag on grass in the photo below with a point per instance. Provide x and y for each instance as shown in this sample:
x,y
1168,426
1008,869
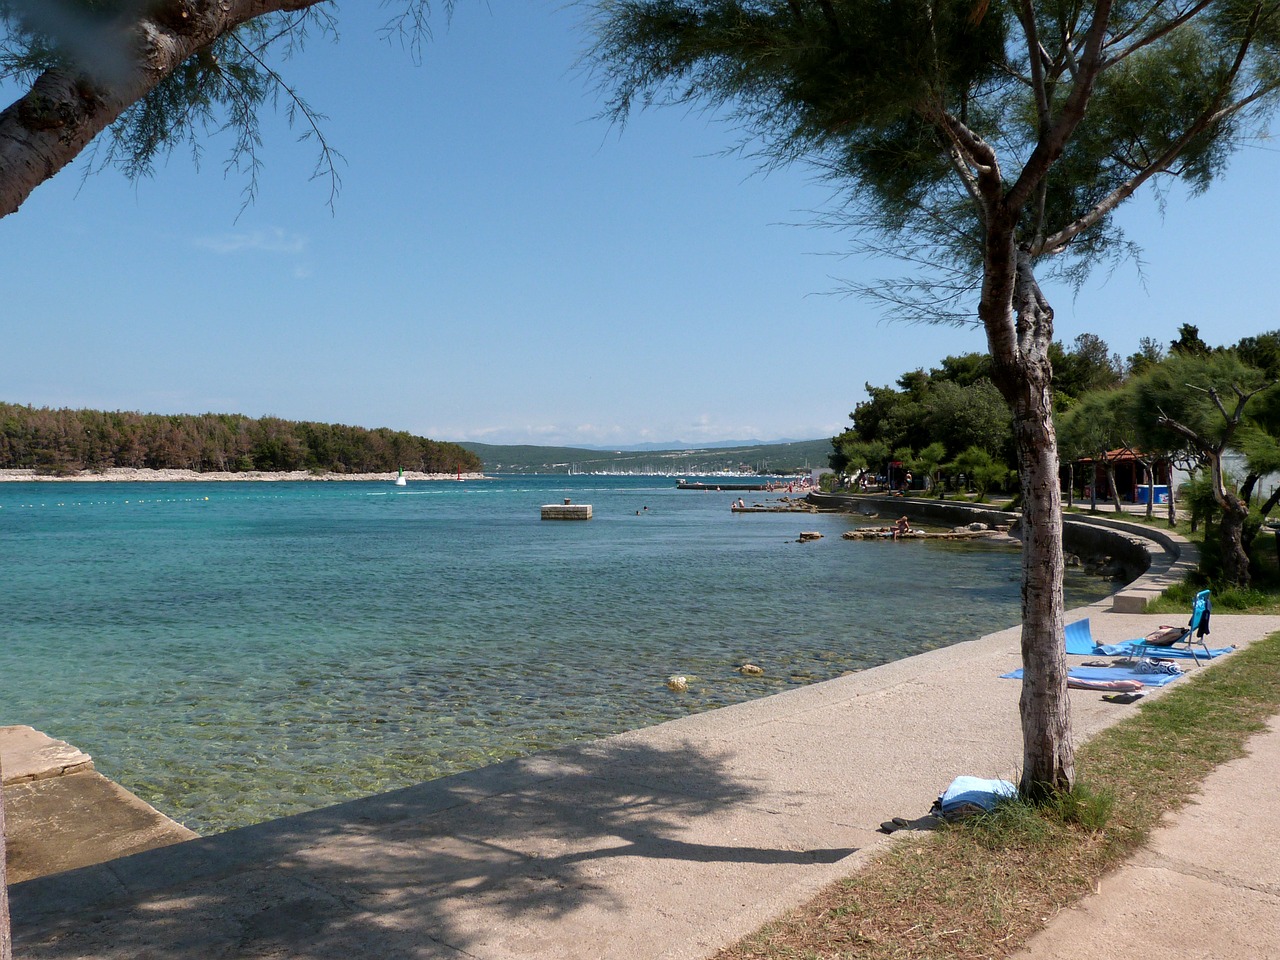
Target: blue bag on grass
x,y
975,792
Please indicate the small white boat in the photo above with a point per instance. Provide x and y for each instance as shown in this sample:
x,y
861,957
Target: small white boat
x,y
400,480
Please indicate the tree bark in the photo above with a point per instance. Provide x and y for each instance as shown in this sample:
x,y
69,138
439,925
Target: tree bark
x,y
1019,333
67,107
1111,486
1048,762
1235,559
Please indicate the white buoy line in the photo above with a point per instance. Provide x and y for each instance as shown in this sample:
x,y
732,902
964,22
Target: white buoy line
x,y
107,503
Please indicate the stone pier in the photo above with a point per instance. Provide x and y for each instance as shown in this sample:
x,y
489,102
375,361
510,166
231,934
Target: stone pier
x,y
60,813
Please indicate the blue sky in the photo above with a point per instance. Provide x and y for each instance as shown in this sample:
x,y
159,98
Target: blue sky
x,y
502,265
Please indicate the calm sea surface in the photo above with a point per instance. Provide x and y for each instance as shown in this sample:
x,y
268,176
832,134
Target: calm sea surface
x,y
233,652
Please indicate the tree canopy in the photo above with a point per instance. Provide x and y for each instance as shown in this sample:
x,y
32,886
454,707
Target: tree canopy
x,y
1213,410
59,441
906,104
957,405
1199,401
995,139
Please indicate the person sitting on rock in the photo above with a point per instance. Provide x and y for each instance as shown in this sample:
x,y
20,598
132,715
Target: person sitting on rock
x,y
901,527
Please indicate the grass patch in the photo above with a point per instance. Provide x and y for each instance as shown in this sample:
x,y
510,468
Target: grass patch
x,y
981,888
1176,600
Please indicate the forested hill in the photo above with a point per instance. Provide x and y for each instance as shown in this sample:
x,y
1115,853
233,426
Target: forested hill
x,y
62,441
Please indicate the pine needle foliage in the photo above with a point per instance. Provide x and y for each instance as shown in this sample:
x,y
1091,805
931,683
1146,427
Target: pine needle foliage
x,y
859,90
224,89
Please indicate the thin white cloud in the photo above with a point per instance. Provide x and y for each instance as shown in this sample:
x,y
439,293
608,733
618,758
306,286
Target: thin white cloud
x,y
553,435
592,434
256,241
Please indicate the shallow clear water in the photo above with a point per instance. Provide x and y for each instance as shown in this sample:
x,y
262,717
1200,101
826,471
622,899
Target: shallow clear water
x,y
233,652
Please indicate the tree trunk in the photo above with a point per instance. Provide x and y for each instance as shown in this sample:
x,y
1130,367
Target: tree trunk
x,y
1048,763
1023,373
1235,560
1111,486
65,108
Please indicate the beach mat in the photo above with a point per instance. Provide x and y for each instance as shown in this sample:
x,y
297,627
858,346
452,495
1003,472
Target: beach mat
x,y
1109,673
1079,641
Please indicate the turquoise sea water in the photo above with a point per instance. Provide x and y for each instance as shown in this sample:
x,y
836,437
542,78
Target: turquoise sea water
x,y
233,652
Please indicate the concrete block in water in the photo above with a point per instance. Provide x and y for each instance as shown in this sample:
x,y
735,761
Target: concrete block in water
x,y
566,511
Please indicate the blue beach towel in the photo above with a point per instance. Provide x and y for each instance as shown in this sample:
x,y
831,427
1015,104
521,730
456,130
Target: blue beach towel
x,y
1132,648
1109,673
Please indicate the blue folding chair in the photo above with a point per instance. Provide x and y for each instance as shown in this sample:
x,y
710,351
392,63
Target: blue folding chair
x,y
1168,637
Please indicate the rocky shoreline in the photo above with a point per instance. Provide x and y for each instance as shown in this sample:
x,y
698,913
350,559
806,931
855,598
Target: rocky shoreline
x,y
959,533
131,475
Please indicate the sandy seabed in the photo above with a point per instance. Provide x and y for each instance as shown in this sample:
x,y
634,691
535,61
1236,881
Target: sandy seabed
x,y
128,475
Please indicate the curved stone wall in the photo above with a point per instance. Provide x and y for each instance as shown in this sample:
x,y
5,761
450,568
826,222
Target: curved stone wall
x,y
1162,557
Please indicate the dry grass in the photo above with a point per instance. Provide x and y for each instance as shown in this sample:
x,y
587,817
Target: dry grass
x,y
980,889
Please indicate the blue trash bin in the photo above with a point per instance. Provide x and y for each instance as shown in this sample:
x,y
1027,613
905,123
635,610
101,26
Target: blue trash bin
x,y
1159,492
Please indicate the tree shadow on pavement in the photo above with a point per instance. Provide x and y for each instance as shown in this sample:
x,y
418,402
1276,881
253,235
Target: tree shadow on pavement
x,y
616,842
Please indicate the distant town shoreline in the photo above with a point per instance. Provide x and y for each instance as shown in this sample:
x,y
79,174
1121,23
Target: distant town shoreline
x,y
132,475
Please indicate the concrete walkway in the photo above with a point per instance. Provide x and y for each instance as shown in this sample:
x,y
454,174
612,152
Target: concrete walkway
x,y
1207,885
668,842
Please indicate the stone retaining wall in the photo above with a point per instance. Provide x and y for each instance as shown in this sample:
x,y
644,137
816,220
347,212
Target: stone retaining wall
x,y
1158,558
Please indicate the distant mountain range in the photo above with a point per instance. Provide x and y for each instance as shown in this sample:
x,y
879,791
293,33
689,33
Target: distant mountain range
x,y
790,456
682,445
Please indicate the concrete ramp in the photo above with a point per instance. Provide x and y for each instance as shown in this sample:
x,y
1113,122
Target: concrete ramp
x,y
61,814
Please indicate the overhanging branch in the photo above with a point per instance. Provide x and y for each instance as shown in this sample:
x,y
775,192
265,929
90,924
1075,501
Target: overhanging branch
x,y
65,108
